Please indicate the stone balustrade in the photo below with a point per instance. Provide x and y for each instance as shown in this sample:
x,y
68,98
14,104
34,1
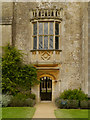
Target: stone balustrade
x,y
47,13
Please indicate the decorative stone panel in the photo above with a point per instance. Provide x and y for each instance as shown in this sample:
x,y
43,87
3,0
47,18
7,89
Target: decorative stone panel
x,y
45,56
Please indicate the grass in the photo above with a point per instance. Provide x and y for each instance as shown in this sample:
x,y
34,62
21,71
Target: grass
x,y
0,112
71,113
18,112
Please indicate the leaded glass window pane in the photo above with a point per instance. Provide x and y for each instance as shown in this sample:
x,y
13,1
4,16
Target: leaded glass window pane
x,y
47,34
56,42
56,28
40,42
45,28
51,29
45,42
51,42
40,28
35,29
34,42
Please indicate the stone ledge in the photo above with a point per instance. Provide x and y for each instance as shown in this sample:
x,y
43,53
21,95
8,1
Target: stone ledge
x,y
47,68
5,22
40,18
46,50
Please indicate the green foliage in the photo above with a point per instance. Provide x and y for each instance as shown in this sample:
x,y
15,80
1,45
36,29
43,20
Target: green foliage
x,y
60,103
72,98
73,104
26,94
10,66
20,96
32,96
88,104
27,76
57,102
84,104
16,102
29,102
21,100
15,75
6,100
67,104
74,94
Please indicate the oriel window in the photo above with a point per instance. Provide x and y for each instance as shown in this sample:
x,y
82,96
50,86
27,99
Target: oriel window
x,y
45,33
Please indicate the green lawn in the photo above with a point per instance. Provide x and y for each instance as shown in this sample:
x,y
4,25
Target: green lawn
x,y
18,112
71,113
0,112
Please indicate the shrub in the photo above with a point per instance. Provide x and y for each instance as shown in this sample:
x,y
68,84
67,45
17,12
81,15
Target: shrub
x,y
20,96
72,97
0,100
21,100
29,102
84,104
10,66
88,104
74,94
15,74
22,103
25,95
60,103
57,102
33,96
6,99
72,104
30,95
66,104
15,102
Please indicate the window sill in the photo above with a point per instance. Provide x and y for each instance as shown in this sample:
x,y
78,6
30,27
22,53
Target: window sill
x,y
46,50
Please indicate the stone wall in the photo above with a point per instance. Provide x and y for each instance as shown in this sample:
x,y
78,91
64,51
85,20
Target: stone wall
x,y
74,39
6,24
84,38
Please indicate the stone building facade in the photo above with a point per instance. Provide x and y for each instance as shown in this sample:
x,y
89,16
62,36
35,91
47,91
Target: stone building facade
x,y
54,38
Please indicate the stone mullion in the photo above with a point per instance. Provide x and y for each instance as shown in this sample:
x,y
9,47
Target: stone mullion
x,y
32,38
59,13
54,35
43,35
48,35
54,12
37,13
54,42
59,37
44,13
34,13
37,35
41,13
37,44
47,12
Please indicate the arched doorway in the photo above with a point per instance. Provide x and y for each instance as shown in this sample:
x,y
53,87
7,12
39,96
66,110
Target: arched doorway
x,y
46,88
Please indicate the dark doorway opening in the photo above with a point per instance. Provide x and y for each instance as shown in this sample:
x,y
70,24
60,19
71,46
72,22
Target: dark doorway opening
x,y
46,89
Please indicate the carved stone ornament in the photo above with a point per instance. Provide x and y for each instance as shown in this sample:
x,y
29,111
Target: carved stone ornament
x,y
45,5
45,55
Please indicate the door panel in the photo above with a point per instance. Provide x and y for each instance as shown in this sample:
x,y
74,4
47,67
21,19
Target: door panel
x,y
46,88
